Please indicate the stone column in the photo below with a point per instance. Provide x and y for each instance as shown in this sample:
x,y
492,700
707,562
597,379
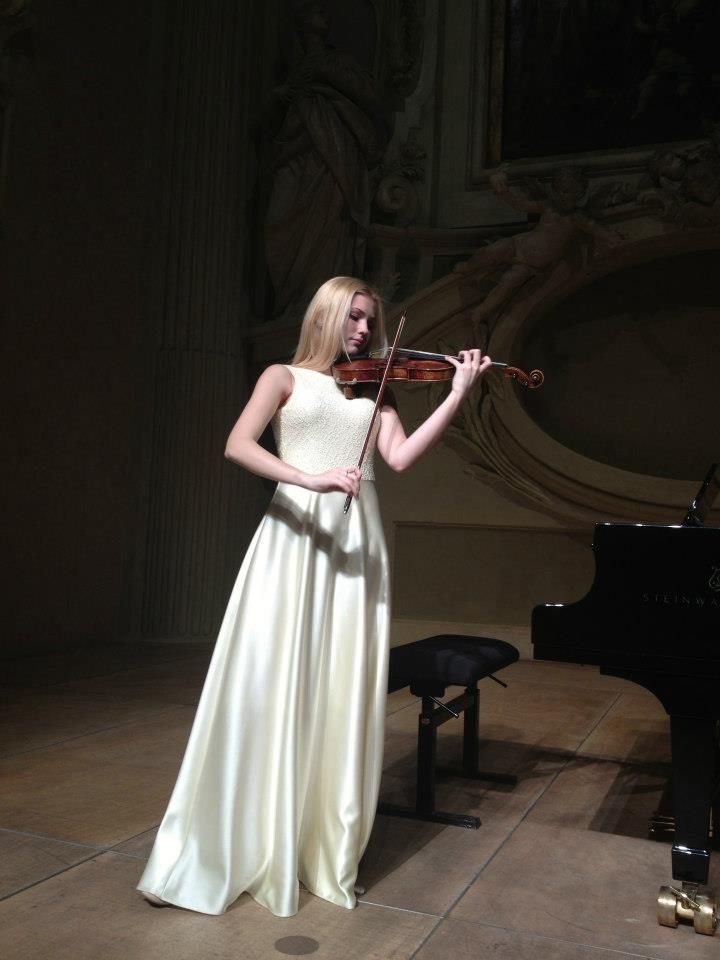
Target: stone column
x,y
198,509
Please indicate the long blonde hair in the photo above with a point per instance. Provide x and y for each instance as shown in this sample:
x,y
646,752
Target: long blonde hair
x,y
321,334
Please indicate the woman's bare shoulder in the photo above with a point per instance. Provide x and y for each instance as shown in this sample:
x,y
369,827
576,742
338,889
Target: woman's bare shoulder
x,y
275,380
278,374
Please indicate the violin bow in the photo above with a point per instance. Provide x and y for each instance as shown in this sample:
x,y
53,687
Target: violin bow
x,y
378,401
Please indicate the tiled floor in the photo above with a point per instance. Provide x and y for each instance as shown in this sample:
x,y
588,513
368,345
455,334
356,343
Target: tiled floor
x,y
560,868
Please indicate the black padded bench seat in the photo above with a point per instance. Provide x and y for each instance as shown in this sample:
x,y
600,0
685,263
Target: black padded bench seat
x,y
429,666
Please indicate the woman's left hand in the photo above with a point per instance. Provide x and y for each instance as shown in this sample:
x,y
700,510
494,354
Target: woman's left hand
x,y
470,366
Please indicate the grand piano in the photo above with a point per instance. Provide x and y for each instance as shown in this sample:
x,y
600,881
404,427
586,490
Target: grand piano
x,y
652,616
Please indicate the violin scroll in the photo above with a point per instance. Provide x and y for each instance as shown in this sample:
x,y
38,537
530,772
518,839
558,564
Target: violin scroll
x,y
532,380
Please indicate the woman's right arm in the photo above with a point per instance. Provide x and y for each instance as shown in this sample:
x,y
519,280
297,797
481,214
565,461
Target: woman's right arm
x,y
272,390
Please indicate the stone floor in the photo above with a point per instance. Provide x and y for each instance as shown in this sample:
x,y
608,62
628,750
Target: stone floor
x,y
561,868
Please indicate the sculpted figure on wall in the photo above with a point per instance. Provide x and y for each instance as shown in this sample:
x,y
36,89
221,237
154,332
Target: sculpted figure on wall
x,y
330,137
686,183
535,252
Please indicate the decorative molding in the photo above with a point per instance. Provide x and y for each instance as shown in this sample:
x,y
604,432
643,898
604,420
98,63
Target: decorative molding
x,y
500,443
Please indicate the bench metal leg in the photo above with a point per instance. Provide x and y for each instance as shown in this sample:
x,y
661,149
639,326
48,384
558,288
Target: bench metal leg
x,y
431,717
471,746
426,758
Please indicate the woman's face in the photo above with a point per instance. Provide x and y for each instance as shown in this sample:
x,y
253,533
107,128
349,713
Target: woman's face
x,y
358,327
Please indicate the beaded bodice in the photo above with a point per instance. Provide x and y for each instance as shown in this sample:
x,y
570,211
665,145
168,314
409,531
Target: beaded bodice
x,y
319,429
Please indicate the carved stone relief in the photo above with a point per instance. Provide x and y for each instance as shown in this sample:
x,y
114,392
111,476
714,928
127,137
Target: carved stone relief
x,y
561,228
331,121
685,182
330,136
516,285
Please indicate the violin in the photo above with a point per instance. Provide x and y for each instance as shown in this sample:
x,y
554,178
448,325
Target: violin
x,y
418,366
401,364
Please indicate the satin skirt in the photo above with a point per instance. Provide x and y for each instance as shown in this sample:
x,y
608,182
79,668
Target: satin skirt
x,y
281,775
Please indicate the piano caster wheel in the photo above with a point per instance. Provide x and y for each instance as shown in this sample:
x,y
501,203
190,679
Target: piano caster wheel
x,y
667,901
705,919
687,904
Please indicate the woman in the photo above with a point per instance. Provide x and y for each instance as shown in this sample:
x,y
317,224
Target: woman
x,y
280,779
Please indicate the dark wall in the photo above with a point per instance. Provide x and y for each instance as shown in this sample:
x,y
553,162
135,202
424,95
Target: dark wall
x,y
124,233
73,230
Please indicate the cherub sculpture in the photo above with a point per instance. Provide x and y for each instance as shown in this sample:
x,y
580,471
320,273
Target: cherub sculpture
x,y
534,252
686,182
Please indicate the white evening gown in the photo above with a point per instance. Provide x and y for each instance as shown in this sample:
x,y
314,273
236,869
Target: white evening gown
x,y
281,774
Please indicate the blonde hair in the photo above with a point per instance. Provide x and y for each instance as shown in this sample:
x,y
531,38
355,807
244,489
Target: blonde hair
x,y
321,335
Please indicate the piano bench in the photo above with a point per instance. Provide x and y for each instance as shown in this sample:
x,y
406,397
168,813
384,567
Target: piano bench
x,y
429,666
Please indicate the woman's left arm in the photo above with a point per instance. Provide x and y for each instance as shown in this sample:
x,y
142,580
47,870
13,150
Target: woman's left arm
x,y
400,451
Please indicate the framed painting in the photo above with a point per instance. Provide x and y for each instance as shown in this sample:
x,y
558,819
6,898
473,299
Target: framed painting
x,y
573,76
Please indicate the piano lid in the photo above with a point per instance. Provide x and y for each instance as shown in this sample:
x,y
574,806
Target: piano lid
x,y
703,502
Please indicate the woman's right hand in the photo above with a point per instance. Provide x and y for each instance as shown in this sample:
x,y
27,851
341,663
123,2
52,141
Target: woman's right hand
x,y
343,479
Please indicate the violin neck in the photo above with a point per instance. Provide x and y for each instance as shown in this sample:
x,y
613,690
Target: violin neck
x,y
426,355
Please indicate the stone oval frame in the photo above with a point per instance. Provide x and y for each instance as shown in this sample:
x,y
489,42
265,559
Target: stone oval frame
x,y
500,441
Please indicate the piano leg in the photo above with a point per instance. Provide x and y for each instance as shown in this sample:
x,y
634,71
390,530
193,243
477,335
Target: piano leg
x,y
694,766
694,758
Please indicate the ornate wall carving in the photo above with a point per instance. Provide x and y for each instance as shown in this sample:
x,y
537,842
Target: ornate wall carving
x,y
511,296
330,163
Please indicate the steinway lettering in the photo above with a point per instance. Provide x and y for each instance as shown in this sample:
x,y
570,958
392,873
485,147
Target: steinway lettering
x,y
680,600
